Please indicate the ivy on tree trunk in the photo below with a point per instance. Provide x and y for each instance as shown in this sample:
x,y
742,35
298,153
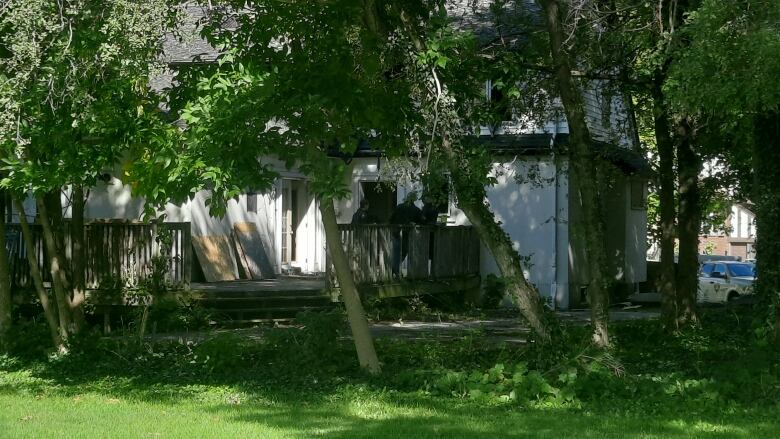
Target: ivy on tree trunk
x,y
689,220
583,164
6,305
666,280
766,156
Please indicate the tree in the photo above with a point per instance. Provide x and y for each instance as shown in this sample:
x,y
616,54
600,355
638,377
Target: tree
x,y
583,163
74,80
448,96
634,43
6,317
728,73
299,91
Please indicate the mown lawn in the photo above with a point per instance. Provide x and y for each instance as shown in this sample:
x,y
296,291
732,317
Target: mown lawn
x,y
711,384
215,412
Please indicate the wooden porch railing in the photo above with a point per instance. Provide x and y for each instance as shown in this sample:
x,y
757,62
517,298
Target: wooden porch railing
x,y
382,253
114,251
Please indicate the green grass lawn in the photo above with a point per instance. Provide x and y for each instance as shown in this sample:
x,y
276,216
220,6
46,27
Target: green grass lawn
x,y
713,383
222,412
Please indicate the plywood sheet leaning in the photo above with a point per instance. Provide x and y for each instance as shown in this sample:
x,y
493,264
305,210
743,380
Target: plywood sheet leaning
x,y
252,253
216,257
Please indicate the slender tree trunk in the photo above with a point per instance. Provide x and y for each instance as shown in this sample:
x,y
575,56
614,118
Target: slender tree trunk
x,y
78,258
361,333
583,166
766,196
56,268
666,281
58,333
689,220
6,304
471,200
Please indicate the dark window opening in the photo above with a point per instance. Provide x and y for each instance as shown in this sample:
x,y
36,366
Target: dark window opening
x,y
638,195
251,202
382,199
500,104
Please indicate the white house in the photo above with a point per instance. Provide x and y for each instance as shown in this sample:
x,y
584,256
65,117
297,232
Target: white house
x,y
739,237
532,199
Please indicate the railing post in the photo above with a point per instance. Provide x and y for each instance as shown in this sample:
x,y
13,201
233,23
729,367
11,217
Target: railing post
x,y
186,260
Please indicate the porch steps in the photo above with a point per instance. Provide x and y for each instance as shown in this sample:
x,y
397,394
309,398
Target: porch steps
x,y
242,308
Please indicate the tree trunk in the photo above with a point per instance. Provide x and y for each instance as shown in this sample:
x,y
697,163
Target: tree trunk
x,y
6,304
472,202
78,257
56,268
766,196
689,220
583,166
361,333
57,332
666,280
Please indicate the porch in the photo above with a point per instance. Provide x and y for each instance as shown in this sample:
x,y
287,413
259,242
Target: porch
x,y
392,260
386,261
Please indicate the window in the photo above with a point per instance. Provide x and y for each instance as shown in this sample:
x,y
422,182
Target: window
x,y
721,269
499,103
251,202
638,194
743,270
706,269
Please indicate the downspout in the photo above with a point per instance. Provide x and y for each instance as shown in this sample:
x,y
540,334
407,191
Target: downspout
x,y
555,223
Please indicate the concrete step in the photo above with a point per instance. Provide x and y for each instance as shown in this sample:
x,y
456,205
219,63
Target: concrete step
x,y
240,294
264,302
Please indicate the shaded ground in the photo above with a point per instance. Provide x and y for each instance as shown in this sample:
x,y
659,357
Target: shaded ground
x,y
497,329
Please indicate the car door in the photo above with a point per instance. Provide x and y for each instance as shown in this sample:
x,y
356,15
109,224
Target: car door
x,y
705,286
718,284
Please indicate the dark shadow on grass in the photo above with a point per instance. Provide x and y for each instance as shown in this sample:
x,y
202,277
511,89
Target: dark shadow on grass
x,y
443,418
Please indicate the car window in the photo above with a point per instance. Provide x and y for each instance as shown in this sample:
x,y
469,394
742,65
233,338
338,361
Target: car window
x,y
741,269
720,268
706,269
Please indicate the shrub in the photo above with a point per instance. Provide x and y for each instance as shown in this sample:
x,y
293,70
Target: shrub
x,y
493,291
508,383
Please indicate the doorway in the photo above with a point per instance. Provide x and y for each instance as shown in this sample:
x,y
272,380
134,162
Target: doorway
x,y
291,219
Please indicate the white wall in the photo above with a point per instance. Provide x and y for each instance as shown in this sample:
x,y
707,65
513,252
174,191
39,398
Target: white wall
x,y
636,241
741,222
527,211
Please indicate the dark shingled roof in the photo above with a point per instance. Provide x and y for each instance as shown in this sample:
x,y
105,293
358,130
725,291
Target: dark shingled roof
x,y
487,23
189,46
477,16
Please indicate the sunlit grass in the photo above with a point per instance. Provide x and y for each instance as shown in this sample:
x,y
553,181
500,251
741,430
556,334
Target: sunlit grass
x,y
34,408
713,383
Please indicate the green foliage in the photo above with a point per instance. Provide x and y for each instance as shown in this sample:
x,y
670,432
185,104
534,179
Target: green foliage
x,y
29,339
732,60
75,84
513,383
716,369
316,345
179,310
493,291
